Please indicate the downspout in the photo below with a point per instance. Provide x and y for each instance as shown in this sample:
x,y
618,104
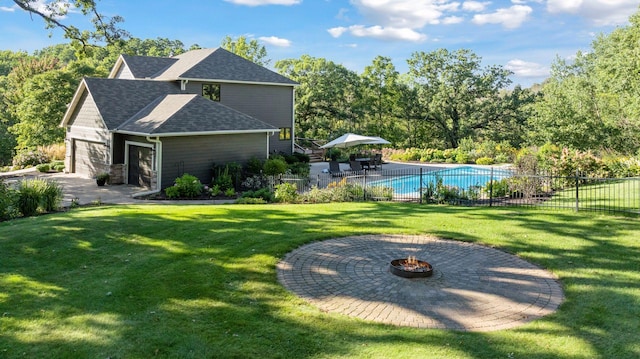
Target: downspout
x,y
158,165
269,134
183,84
293,120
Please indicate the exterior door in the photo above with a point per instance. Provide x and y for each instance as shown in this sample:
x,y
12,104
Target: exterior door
x,y
140,166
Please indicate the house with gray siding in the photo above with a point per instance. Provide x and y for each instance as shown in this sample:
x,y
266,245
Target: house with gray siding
x,y
154,119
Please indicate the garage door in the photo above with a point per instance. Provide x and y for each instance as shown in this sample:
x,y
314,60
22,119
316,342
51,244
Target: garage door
x,y
88,158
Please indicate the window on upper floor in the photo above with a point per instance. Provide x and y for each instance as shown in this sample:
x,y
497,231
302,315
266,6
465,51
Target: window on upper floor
x,y
211,91
285,133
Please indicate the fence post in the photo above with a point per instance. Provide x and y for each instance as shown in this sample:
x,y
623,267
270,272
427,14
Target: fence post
x,y
491,188
420,186
364,186
577,192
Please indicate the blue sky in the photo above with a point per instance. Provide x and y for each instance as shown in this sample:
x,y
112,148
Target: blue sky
x,y
525,36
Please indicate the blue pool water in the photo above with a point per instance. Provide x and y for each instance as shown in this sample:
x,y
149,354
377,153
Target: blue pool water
x,y
461,177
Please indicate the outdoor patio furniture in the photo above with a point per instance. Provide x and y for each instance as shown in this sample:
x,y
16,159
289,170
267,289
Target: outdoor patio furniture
x,y
334,169
355,166
365,162
377,160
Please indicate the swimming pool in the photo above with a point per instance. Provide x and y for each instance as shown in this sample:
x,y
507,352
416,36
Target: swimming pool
x,y
460,177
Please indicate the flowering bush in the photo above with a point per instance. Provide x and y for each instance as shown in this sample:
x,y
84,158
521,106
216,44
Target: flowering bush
x,y
187,186
27,158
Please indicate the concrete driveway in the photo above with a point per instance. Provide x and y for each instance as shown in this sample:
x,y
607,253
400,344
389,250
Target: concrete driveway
x,y
83,190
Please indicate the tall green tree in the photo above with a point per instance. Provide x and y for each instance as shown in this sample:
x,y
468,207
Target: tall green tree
x,y
570,110
327,100
456,92
249,49
592,102
380,95
42,107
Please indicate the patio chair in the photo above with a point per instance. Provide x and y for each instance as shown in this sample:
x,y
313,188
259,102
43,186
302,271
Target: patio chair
x,y
334,169
355,166
377,160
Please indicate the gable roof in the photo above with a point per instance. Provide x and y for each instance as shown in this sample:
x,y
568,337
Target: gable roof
x,y
188,114
118,100
143,67
203,65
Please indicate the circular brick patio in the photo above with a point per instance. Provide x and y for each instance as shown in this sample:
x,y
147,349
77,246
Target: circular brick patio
x,y
473,287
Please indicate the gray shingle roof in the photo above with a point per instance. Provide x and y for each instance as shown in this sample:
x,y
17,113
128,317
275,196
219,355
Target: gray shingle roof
x,y
143,67
220,64
189,113
118,100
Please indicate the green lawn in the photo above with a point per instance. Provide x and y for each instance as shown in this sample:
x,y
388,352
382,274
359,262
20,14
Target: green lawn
x,y
200,282
612,196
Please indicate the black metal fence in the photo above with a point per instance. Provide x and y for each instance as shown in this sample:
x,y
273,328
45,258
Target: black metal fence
x,y
481,186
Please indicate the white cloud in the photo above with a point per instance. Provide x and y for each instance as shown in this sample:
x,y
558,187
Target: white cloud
x,y
8,9
475,6
379,32
275,41
598,12
264,2
451,20
510,18
337,31
527,69
412,14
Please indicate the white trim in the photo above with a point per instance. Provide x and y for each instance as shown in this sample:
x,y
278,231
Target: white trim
x,y
271,132
158,162
116,67
227,81
127,144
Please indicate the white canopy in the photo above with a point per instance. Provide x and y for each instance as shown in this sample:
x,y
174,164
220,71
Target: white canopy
x,y
352,139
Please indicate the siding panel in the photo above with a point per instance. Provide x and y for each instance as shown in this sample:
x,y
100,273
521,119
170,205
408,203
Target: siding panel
x,y
196,155
270,104
86,113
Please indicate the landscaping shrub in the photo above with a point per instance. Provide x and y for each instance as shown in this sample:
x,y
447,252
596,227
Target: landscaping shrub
x,y
186,186
275,166
263,193
254,167
29,197
498,188
380,193
285,192
8,201
51,196
27,158
250,200
484,161
462,157
255,182
302,157
55,152
300,169
224,175
43,167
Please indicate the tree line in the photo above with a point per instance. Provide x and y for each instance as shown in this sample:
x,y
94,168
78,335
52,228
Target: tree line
x,y
591,102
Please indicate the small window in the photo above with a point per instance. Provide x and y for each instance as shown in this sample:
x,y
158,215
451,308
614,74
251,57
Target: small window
x,y
285,133
211,91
